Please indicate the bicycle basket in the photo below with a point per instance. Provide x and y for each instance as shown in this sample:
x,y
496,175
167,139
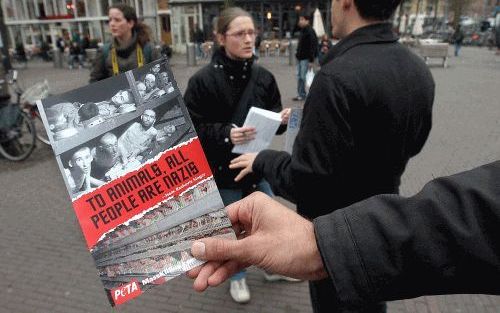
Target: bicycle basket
x,y
36,92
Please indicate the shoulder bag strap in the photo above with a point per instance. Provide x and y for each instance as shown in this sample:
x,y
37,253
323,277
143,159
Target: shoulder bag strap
x,y
241,111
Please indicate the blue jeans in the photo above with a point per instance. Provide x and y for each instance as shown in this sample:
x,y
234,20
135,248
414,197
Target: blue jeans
x,y
302,67
458,46
232,195
199,50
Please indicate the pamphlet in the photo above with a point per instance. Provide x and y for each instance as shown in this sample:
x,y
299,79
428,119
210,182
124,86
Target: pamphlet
x,y
138,179
266,124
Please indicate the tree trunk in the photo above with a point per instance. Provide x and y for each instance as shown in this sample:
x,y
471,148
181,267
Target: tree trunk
x,y
436,7
458,7
401,13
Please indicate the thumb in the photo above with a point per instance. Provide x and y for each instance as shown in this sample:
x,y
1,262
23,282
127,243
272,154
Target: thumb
x,y
216,249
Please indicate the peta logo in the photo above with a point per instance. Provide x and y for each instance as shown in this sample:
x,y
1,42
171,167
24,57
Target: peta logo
x,y
126,292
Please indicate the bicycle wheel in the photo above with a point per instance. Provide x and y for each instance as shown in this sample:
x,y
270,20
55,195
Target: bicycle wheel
x,y
41,133
23,140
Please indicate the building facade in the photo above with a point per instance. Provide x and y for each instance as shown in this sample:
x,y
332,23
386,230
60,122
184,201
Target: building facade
x,y
32,22
275,19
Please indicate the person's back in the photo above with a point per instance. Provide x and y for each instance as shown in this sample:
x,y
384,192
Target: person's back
x,y
307,45
368,111
383,106
458,35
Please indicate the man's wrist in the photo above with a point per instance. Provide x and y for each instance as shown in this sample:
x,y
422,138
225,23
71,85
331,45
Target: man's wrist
x,y
317,268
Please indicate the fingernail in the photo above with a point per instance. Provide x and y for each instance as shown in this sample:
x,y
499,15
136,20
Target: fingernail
x,y
198,249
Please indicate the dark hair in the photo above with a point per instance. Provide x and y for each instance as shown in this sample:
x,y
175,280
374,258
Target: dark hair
x,y
142,30
305,15
227,16
88,111
376,10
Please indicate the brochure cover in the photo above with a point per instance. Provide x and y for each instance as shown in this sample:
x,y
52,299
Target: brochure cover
x,y
138,179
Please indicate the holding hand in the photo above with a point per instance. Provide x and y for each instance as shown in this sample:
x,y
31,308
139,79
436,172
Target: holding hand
x,y
285,115
271,237
245,162
242,135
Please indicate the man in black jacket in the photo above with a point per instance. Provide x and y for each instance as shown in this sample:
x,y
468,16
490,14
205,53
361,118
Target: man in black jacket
x,y
368,112
443,240
307,50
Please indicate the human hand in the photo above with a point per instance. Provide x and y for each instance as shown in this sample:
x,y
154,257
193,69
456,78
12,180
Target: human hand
x,y
242,135
245,162
271,237
285,115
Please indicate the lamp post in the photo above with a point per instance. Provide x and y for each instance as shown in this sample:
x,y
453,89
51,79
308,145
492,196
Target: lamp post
x,y
5,43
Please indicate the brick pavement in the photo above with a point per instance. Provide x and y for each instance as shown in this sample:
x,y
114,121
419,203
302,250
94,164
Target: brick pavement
x,y
44,264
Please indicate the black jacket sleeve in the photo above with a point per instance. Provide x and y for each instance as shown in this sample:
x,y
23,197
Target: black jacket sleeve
x,y
211,133
322,144
443,240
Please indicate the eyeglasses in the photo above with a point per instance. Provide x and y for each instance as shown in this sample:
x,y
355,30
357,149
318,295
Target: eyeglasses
x,y
242,34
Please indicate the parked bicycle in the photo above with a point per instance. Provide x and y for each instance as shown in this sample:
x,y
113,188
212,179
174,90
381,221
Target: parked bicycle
x,y
27,102
17,131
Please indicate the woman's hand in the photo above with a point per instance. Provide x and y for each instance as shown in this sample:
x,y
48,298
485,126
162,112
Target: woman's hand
x,y
285,116
242,135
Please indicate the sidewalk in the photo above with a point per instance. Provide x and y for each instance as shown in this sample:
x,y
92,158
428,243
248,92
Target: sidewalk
x,y
46,267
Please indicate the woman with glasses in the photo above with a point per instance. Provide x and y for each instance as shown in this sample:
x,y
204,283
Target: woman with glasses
x,y
219,97
130,48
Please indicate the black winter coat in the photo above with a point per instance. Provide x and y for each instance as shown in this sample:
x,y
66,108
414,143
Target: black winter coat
x,y
368,111
443,240
212,97
307,48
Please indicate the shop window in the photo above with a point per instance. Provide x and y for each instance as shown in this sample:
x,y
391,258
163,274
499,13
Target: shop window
x,y
41,8
165,23
80,8
104,7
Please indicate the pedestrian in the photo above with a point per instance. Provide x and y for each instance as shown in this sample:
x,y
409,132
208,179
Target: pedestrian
x,y
368,112
307,50
458,38
75,55
60,44
324,46
497,32
130,48
44,51
21,52
443,240
258,41
198,38
219,97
